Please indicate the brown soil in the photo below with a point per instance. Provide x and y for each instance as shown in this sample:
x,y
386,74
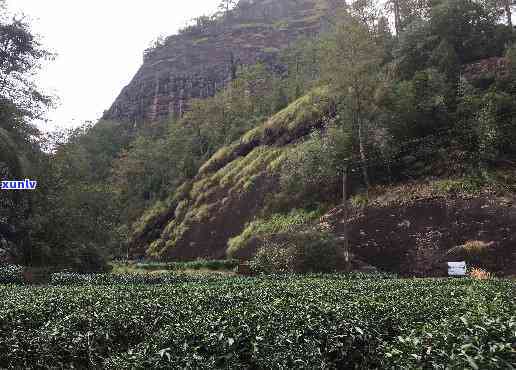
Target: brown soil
x,y
209,238
412,239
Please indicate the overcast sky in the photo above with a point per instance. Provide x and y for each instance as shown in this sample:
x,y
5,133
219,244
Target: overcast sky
x,y
99,45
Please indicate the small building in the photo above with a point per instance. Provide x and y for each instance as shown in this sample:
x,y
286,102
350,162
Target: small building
x,y
457,268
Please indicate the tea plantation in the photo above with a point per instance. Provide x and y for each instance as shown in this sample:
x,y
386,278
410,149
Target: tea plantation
x,y
315,322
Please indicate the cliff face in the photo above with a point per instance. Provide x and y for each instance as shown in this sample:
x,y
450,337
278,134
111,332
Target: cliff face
x,y
201,60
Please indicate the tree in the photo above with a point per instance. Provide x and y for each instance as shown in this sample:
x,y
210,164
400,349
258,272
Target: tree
x,y
75,211
20,100
312,170
506,6
302,61
366,11
21,55
11,155
508,12
352,66
405,12
460,31
397,16
227,5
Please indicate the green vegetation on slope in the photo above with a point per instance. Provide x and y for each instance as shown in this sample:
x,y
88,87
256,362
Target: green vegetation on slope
x,y
387,107
237,172
295,221
215,194
381,114
298,119
311,322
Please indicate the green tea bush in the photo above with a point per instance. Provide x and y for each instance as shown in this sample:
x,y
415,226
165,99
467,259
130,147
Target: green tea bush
x,y
309,322
216,265
353,275
489,343
125,279
11,274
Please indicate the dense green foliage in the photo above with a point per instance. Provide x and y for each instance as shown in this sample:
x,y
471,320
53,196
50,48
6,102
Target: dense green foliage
x,y
310,322
74,279
261,229
380,103
302,252
215,265
75,213
311,173
71,218
21,55
11,274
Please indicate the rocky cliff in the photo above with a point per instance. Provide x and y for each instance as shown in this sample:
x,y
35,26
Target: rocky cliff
x,y
203,58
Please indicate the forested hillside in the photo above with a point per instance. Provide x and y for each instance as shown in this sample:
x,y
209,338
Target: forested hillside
x,y
410,94
414,107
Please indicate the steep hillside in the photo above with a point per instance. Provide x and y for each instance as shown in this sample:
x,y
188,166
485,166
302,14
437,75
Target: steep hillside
x,y
202,59
414,228
434,130
407,228
230,188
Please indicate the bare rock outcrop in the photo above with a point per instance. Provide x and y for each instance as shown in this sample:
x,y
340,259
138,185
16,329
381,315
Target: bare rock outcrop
x,y
202,59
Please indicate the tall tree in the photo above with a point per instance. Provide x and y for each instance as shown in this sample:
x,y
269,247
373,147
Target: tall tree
x,y
352,66
508,12
227,5
21,56
397,16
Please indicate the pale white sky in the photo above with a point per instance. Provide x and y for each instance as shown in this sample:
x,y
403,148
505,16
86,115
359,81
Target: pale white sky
x,y
100,45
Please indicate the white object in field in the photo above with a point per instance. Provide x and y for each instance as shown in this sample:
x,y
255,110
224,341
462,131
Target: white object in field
x,y
457,268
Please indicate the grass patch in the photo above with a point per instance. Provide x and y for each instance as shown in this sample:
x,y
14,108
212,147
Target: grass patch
x,y
286,125
463,187
468,185
275,224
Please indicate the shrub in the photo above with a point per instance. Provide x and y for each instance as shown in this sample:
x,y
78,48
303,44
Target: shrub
x,y
295,221
90,259
465,186
480,274
275,258
216,265
302,252
312,169
11,274
473,251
